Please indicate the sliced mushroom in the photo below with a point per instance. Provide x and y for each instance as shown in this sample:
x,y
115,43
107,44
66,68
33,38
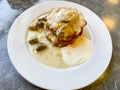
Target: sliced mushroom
x,y
42,19
33,41
32,28
39,24
40,46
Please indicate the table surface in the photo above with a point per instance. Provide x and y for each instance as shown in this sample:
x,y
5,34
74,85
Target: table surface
x,y
107,10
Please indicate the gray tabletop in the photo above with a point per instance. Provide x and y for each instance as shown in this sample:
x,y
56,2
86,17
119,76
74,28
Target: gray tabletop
x,y
107,10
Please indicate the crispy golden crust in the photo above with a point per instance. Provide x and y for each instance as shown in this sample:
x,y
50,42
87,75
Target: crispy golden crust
x,y
63,26
60,40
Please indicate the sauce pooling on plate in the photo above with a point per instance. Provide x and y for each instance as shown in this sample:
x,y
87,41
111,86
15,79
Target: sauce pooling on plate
x,y
56,38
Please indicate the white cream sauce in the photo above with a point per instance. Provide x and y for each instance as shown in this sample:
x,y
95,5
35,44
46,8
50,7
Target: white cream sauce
x,y
71,55
51,56
76,54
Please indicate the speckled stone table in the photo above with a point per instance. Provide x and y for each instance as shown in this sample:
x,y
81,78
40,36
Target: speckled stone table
x,y
107,10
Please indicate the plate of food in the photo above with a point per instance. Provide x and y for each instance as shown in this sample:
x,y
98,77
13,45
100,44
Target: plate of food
x,y
59,45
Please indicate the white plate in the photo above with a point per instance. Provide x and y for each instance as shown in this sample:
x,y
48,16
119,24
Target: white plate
x,y
51,78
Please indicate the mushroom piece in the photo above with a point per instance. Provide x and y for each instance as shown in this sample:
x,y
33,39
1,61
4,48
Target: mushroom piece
x,y
39,24
33,41
32,28
40,46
